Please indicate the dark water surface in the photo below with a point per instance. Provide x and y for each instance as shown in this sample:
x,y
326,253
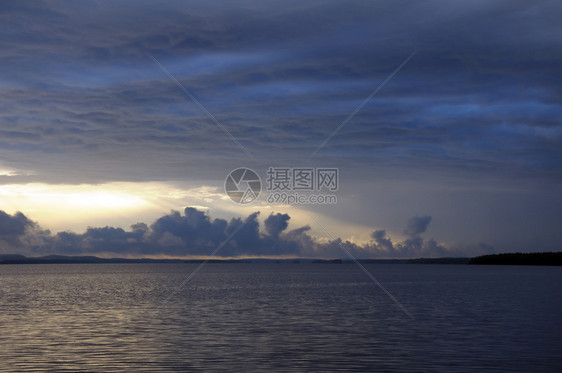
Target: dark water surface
x,y
280,317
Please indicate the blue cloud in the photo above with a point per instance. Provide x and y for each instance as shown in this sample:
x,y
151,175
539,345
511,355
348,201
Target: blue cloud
x,y
480,100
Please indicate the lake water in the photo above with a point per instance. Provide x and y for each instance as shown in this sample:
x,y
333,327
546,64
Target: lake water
x,y
280,317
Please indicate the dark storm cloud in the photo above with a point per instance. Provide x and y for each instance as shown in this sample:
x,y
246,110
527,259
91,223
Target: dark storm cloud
x,y
414,244
417,225
382,241
275,224
195,233
77,84
13,229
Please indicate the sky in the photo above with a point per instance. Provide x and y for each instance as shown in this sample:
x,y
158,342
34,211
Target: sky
x,y
120,121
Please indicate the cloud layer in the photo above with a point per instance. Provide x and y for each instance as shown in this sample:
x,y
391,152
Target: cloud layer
x,y
472,116
79,88
195,233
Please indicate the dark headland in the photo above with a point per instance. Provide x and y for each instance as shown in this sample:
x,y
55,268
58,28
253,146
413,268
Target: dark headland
x,y
532,259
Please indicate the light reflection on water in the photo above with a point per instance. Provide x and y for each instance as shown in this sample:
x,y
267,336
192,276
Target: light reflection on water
x,y
281,317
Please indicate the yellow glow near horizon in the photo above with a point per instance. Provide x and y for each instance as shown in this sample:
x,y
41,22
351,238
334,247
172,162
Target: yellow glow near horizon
x,y
5,172
75,207
95,197
61,207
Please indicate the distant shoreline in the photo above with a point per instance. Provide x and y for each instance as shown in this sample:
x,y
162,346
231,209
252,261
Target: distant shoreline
x,y
541,259
533,259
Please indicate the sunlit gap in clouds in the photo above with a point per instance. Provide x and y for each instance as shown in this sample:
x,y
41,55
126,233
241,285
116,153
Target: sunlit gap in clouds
x,y
6,172
65,207
75,207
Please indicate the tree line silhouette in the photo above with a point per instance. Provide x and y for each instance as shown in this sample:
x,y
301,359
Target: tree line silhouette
x,y
534,259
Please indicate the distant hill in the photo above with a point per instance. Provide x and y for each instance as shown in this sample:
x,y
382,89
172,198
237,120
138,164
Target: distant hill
x,y
446,260
62,259
548,258
533,259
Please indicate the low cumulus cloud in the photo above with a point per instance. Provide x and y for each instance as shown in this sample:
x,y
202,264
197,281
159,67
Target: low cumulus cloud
x,y
14,229
195,233
413,245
